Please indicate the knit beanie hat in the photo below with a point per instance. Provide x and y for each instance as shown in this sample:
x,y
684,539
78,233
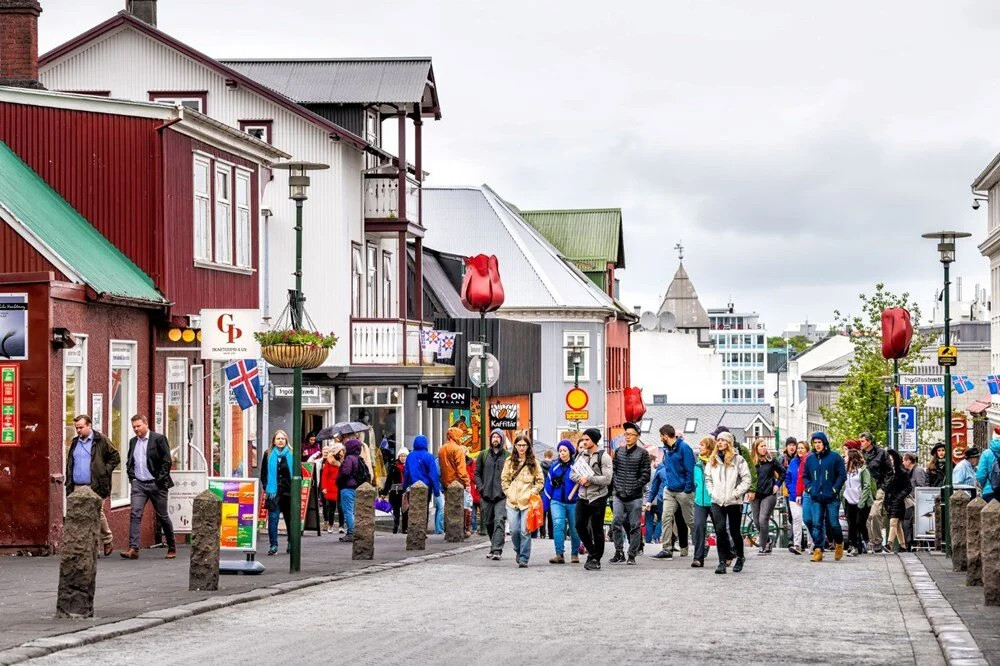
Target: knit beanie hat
x,y
726,435
719,430
594,434
402,451
852,444
790,441
569,445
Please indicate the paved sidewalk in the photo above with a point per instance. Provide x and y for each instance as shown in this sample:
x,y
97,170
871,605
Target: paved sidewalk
x,y
127,588
982,621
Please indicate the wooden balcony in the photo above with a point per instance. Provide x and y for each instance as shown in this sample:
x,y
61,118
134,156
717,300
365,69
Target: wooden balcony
x,y
387,342
382,198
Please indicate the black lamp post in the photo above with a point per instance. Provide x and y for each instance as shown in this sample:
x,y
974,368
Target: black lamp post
x,y
298,183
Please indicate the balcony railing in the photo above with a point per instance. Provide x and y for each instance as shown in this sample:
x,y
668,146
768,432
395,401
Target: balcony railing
x,y
382,197
380,342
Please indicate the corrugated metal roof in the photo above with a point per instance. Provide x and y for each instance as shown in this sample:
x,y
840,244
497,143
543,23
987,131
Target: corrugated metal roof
x,y
469,221
682,301
835,369
46,219
342,81
708,416
442,287
583,235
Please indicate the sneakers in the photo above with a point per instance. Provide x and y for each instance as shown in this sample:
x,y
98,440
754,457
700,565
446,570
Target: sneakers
x,y
817,555
761,551
877,548
794,550
592,565
721,569
684,552
738,567
662,555
852,552
347,538
329,530
768,549
497,557
618,558
490,554
558,559
521,564
341,530
273,550
630,560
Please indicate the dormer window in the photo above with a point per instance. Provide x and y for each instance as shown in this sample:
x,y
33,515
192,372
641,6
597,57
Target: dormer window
x,y
188,99
259,129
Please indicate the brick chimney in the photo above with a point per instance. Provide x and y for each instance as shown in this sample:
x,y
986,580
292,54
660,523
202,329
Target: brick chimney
x,y
144,10
19,43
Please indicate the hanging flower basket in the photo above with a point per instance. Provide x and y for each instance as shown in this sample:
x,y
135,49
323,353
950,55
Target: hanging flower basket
x,y
295,348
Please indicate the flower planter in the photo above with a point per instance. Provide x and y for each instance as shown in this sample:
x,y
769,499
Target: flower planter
x,y
294,356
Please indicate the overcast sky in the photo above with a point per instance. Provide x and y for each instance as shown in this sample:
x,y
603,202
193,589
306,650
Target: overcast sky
x,y
798,149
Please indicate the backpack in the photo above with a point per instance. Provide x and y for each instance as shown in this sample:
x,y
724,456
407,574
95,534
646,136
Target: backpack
x,y
994,477
361,474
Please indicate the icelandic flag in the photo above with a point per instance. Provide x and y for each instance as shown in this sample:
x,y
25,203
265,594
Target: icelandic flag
x,y
904,392
962,384
931,390
993,382
446,344
244,382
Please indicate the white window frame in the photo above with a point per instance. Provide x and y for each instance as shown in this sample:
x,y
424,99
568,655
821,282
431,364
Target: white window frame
x,y
371,280
223,209
202,232
357,279
122,438
264,130
183,101
690,426
386,284
573,338
242,230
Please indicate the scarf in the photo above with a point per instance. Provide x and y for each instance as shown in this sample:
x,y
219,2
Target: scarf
x,y
272,469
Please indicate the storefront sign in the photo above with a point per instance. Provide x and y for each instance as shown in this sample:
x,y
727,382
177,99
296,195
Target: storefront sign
x,y
176,371
240,498
158,412
121,355
97,411
959,437
187,486
288,392
13,327
228,334
446,397
503,416
10,407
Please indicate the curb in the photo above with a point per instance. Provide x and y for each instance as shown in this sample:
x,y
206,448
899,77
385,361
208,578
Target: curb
x,y
49,644
957,644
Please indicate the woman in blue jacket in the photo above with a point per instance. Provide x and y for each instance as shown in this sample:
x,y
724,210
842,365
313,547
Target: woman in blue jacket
x,y
562,495
793,486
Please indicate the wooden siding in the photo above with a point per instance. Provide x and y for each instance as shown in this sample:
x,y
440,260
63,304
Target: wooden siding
x,y
17,256
517,344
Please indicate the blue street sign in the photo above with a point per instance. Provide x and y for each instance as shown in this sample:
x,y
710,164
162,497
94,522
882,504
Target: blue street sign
x,y
907,429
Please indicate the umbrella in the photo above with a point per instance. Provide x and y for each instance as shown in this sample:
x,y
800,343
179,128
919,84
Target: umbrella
x,y
341,429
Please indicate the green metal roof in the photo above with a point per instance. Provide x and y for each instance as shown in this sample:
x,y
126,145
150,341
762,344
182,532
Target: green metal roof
x,y
64,237
583,235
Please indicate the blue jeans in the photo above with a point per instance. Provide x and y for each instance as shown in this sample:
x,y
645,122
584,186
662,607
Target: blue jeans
x,y
439,514
654,526
347,497
280,505
825,514
520,537
561,513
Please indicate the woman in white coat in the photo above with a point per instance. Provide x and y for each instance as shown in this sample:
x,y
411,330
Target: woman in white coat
x,y
727,477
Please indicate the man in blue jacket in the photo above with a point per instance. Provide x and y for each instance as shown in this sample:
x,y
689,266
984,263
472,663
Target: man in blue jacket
x,y
674,478
824,478
421,465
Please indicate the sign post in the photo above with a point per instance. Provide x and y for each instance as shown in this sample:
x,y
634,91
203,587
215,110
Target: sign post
x,y
906,439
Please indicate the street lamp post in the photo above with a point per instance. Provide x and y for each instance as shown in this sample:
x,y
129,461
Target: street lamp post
x,y
946,248
298,183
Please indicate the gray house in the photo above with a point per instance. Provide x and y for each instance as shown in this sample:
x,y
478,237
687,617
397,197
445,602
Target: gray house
x,y
540,286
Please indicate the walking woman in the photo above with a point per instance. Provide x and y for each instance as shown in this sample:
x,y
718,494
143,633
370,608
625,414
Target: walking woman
x,y
353,473
276,477
859,495
328,485
794,488
727,477
895,500
562,494
521,478
702,501
392,489
763,498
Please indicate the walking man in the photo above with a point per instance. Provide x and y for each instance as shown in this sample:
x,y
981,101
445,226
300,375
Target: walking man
x,y
880,467
824,478
90,461
674,478
631,474
593,492
489,467
148,467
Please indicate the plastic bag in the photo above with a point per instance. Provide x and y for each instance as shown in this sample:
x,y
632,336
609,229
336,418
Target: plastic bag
x,y
383,505
536,514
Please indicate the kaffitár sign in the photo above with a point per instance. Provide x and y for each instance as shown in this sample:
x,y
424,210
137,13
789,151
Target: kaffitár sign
x,y
9,405
13,327
227,335
503,416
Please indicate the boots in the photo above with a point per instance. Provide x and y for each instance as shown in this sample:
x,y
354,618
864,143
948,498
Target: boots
x,y
558,559
817,555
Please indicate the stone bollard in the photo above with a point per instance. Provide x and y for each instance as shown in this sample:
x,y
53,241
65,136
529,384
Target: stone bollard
x,y
938,525
416,533
78,565
990,553
959,501
364,523
206,522
454,512
973,545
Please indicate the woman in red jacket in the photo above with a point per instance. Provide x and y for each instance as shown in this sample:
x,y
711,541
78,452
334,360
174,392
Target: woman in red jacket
x,y
328,485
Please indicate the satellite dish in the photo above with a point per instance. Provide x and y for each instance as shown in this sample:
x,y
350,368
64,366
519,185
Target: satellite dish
x,y
668,322
648,321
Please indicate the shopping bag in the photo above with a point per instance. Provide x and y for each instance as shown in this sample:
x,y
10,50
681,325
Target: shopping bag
x,y
536,514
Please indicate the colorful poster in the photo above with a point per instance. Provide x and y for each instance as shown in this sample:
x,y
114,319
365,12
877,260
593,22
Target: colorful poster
x,y
10,406
240,498
14,327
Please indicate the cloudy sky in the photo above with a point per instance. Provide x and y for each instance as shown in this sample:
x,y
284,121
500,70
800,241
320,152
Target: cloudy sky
x,y
797,149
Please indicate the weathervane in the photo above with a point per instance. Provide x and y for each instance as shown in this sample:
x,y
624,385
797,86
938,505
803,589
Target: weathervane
x,y
680,250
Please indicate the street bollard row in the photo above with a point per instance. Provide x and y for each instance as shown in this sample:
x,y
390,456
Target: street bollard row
x,y
975,539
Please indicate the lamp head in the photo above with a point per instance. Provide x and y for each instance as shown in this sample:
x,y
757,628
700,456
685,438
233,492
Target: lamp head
x,y
946,243
298,177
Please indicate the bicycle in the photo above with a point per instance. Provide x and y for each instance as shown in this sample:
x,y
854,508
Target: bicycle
x,y
749,532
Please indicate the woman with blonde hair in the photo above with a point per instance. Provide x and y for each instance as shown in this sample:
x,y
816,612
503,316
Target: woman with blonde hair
x,y
765,495
727,477
521,478
702,501
276,478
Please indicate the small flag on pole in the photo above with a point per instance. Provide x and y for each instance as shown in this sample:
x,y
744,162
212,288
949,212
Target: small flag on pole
x,y
962,384
446,344
429,340
244,382
993,383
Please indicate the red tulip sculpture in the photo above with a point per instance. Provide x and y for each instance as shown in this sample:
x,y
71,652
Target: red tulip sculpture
x,y
482,290
897,332
635,408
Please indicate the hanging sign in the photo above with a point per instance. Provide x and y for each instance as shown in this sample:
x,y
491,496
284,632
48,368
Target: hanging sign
x,y
13,327
503,416
228,334
10,407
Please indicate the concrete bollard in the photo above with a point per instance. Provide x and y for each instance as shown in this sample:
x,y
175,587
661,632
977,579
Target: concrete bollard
x,y
959,502
454,513
990,539
973,545
363,547
206,522
938,525
78,564
416,533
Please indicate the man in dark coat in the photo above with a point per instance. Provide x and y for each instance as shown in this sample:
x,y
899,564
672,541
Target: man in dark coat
x,y
489,466
880,467
90,461
148,467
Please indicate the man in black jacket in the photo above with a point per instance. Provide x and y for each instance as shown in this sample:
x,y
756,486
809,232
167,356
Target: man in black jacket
x,y
90,461
489,467
629,479
880,467
148,467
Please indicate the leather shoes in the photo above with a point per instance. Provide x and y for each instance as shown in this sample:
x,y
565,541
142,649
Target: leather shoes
x,y
130,554
171,553
107,549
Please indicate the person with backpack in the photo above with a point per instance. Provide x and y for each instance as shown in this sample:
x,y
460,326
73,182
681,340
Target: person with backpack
x,y
824,479
489,469
988,470
593,477
558,490
521,478
353,473
727,477
859,494
673,485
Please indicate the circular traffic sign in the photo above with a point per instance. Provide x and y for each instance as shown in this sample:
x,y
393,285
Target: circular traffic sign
x,y
492,370
577,398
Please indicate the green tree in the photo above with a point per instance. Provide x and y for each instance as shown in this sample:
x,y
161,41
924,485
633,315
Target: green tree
x,y
862,402
797,344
